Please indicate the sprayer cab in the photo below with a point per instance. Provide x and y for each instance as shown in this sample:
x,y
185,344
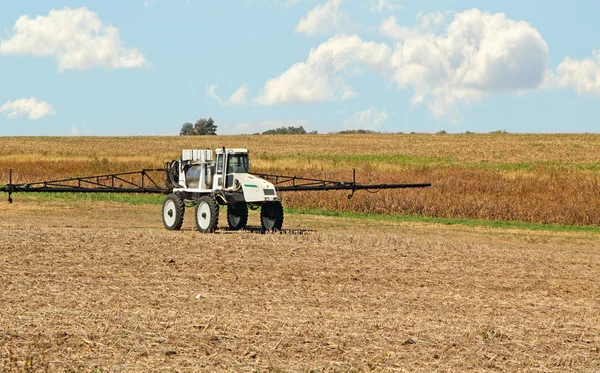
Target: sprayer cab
x,y
226,175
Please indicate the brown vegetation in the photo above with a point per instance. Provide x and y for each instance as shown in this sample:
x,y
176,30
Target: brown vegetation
x,y
532,178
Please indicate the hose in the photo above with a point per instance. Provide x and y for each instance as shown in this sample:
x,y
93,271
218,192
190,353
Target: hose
x,y
172,171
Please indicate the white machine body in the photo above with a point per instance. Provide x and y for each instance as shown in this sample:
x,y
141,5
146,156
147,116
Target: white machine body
x,y
227,173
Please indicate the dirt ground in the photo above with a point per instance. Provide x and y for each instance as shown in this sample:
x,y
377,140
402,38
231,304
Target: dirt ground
x,y
102,287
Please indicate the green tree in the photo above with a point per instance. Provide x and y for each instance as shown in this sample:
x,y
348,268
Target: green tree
x,y
205,127
287,131
186,129
200,128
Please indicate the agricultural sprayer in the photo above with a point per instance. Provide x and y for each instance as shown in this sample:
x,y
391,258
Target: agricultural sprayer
x,y
205,182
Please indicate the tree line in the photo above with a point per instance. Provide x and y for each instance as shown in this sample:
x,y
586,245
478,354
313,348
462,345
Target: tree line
x,y
204,127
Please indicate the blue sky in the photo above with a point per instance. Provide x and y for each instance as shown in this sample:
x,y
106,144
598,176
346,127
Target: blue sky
x,y
144,67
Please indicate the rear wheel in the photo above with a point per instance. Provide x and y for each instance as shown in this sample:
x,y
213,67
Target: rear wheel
x,y
173,210
271,216
237,216
207,214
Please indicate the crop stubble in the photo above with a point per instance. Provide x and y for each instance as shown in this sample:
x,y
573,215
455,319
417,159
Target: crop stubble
x,y
103,286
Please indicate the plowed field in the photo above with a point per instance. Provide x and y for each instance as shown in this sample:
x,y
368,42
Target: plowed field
x,y
100,286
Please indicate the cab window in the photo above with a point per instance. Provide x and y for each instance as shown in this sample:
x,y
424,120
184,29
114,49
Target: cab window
x,y
238,164
219,163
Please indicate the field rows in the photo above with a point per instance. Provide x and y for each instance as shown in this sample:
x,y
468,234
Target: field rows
x,y
103,287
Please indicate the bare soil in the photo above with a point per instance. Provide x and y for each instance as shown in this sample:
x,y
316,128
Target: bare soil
x,y
100,286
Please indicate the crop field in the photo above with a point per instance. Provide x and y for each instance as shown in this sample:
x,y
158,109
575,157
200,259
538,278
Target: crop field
x,y
102,287
98,285
529,178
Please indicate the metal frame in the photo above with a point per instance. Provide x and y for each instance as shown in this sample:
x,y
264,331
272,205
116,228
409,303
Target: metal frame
x,y
124,182
299,184
142,182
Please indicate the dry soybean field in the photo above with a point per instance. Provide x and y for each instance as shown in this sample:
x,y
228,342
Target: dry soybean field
x,y
101,286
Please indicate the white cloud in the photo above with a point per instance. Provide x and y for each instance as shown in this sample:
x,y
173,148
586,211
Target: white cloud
x,y
31,108
320,78
478,54
370,119
382,6
325,19
581,75
238,98
447,59
74,38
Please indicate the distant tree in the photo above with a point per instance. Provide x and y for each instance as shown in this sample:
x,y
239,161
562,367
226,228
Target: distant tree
x,y
287,131
202,127
357,132
187,129
205,127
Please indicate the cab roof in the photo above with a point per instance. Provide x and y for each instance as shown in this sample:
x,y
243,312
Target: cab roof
x,y
232,150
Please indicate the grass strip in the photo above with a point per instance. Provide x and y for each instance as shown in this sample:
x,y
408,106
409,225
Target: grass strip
x,y
500,224
157,199
131,198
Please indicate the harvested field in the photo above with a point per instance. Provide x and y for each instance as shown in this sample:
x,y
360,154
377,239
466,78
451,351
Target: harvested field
x,y
100,286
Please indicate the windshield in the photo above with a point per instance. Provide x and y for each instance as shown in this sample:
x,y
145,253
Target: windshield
x,y
238,164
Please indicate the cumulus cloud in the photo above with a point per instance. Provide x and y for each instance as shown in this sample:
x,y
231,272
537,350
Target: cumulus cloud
x,y
325,19
31,108
382,6
74,38
434,22
478,54
238,98
446,58
583,76
320,78
370,119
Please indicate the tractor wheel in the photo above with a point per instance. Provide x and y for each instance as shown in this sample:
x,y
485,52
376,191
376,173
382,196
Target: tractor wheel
x,y
237,216
173,210
207,214
271,216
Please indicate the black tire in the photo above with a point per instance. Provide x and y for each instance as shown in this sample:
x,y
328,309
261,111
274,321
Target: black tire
x,y
271,216
237,216
172,212
207,214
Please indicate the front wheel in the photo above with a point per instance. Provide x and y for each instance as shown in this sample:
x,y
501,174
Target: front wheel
x,y
271,216
237,216
173,210
207,214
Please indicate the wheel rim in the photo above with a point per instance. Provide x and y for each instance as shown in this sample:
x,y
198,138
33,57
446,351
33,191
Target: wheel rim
x,y
170,213
268,219
234,219
203,215
268,223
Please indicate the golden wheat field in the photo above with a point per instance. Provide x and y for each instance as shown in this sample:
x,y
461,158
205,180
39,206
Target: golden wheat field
x,y
530,178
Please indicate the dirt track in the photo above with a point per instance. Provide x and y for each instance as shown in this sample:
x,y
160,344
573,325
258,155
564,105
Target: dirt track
x,y
104,286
